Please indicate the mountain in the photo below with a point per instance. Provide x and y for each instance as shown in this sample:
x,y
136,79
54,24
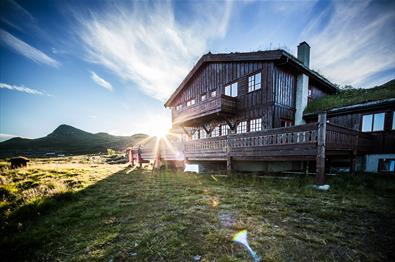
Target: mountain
x,y
68,140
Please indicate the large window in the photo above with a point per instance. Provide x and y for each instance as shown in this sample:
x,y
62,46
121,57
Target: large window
x,y
242,127
373,122
215,132
254,82
231,90
255,125
224,130
202,133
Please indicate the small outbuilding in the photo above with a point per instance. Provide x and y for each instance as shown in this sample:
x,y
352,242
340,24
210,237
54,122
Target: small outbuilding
x,y
17,162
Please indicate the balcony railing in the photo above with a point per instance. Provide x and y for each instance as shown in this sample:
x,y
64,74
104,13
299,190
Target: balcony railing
x,y
202,111
297,142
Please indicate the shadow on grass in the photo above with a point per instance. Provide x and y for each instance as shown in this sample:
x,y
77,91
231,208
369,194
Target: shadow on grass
x,y
173,217
28,229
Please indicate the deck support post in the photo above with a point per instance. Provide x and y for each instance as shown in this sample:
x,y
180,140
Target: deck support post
x,y
321,141
229,164
353,162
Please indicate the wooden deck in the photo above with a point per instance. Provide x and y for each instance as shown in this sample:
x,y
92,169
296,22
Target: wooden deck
x,y
290,143
211,108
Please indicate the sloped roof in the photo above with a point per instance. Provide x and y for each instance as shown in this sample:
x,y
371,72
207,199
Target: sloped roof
x,y
271,55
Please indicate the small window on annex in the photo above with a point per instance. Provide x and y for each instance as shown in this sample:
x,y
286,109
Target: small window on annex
x,y
255,125
373,122
242,127
213,93
393,120
215,132
254,82
231,90
203,97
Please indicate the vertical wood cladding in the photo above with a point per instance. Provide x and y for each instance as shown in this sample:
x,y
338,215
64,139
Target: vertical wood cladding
x,y
275,99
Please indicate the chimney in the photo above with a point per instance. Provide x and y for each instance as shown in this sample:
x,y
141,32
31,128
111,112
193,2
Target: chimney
x,y
302,84
304,53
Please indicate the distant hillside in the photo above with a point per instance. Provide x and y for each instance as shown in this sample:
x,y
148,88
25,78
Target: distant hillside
x,y
352,96
68,140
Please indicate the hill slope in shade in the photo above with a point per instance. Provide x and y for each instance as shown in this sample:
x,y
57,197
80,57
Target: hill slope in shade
x,y
68,140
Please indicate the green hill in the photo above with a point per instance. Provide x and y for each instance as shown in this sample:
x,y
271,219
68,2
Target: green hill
x,y
68,140
352,96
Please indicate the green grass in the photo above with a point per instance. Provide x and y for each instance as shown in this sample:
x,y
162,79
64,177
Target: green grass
x,y
352,96
169,216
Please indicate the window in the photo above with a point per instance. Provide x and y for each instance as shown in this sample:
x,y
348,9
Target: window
x,y
254,82
179,107
224,130
231,90
203,97
202,133
242,127
386,165
215,132
191,102
393,120
255,125
195,135
213,93
285,123
373,122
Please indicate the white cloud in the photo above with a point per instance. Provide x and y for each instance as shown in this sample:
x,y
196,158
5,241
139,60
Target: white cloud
x,y
23,89
357,42
145,44
100,81
26,50
4,137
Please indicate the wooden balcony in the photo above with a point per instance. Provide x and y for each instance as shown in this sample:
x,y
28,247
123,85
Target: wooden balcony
x,y
290,143
211,108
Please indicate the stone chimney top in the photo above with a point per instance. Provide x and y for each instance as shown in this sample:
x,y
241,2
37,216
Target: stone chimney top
x,y
304,53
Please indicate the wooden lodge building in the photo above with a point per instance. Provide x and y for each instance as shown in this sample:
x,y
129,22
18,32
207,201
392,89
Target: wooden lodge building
x,y
245,112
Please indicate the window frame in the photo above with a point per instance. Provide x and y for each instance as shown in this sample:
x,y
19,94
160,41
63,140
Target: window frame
x,y
215,131
371,130
203,97
254,81
254,124
226,128
243,127
288,122
232,86
213,93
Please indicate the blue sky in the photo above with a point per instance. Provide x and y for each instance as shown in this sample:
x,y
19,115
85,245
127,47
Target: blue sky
x,y
109,66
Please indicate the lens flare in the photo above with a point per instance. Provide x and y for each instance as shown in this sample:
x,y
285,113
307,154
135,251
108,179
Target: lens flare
x,y
241,237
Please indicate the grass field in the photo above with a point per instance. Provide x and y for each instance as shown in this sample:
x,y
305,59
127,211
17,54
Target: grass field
x,y
114,214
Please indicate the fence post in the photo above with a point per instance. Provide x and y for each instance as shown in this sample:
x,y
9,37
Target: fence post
x,y
321,140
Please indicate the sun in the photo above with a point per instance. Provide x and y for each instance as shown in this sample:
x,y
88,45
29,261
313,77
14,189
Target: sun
x,y
156,125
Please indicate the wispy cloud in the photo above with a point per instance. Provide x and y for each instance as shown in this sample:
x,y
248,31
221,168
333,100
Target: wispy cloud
x,y
356,42
23,89
26,50
100,81
144,42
